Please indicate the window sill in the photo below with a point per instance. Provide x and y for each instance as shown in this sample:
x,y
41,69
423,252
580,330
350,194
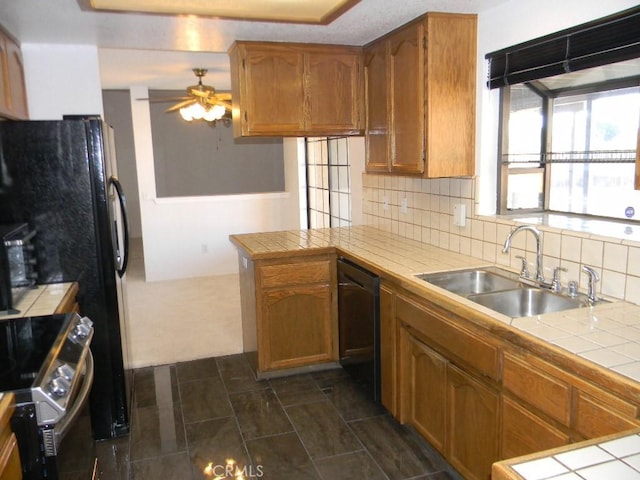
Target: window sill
x,y
612,229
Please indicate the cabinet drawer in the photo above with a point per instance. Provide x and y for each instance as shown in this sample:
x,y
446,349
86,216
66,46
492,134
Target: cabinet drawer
x,y
592,418
458,343
295,274
550,395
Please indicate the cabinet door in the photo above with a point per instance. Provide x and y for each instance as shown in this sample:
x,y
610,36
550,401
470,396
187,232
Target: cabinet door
x,y
18,93
273,91
425,390
524,433
334,93
5,99
472,426
377,107
296,327
594,418
406,68
451,94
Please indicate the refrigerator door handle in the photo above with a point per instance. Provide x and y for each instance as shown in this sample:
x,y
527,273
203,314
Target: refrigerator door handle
x,y
125,225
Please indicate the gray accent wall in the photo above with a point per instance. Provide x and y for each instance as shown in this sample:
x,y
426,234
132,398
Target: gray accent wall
x,y
197,158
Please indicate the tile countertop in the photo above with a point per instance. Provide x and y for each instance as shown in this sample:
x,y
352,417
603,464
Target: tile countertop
x,y
606,337
615,457
42,300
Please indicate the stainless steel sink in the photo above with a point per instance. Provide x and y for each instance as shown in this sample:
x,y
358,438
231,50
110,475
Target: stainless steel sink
x,y
502,291
526,302
473,281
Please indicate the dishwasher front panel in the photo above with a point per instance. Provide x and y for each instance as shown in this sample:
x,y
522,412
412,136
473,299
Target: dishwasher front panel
x,y
359,320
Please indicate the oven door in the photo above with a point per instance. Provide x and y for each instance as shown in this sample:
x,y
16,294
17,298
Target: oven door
x,y
39,444
61,428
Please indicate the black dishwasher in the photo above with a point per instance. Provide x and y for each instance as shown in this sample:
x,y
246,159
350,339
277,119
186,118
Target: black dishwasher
x,y
359,318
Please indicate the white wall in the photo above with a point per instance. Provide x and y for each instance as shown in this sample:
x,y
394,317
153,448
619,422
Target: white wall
x,y
508,24
189,236
62,80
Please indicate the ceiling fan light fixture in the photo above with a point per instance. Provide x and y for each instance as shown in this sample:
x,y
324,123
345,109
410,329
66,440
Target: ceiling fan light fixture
x,y
196,111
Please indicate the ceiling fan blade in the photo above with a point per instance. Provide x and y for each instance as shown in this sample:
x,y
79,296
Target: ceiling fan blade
x,y
224,95
163,99
219,101
169,99
178,106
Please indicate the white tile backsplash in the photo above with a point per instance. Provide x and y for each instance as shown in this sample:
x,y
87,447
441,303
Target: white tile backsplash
x,y
429,220
615,257
592,253
571,248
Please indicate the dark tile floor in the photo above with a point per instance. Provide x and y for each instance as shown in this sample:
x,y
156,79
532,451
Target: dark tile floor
x,y
189,419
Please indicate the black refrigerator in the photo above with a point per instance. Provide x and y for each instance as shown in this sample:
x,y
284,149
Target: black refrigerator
x,y
60,177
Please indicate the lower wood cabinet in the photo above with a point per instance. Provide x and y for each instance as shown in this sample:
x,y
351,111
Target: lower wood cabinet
x,y
295,330
523,432
472,425
289,311
10,467
424,389
478,398
594,417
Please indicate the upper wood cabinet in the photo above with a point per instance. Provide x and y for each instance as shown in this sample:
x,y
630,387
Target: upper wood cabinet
x,y
376,73
13,97
424,122
282,89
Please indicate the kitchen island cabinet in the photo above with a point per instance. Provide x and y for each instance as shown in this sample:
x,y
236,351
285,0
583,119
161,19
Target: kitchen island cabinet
x,y
13,93
287,89
289,311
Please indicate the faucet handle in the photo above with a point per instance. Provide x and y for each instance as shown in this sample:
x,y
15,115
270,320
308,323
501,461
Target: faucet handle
x,y
556,286
524,268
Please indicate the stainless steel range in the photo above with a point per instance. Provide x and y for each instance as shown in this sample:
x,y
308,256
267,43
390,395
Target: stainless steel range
x,y
46,362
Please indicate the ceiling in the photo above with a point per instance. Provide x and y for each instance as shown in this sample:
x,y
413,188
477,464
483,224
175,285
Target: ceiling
x,y
160,51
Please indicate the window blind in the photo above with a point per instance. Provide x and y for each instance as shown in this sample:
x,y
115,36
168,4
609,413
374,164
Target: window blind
x,y
607,40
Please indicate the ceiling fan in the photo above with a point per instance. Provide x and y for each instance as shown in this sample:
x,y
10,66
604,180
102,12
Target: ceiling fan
x,y
202,102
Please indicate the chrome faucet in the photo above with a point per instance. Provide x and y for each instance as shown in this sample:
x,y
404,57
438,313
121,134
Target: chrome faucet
x,y
591,286
538,236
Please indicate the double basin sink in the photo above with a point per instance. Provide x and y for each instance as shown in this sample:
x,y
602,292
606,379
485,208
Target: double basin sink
x,y
503,292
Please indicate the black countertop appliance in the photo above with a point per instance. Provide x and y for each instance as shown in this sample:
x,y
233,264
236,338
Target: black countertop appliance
x,y
60,178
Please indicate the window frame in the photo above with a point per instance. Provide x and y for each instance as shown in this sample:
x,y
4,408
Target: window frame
x,y
547,98
332,161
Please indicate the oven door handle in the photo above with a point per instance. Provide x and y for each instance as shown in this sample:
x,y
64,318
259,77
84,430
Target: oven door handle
x,y
62,427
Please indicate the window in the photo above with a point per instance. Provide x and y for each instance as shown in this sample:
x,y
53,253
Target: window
x,y
570,108
572,153
328,182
